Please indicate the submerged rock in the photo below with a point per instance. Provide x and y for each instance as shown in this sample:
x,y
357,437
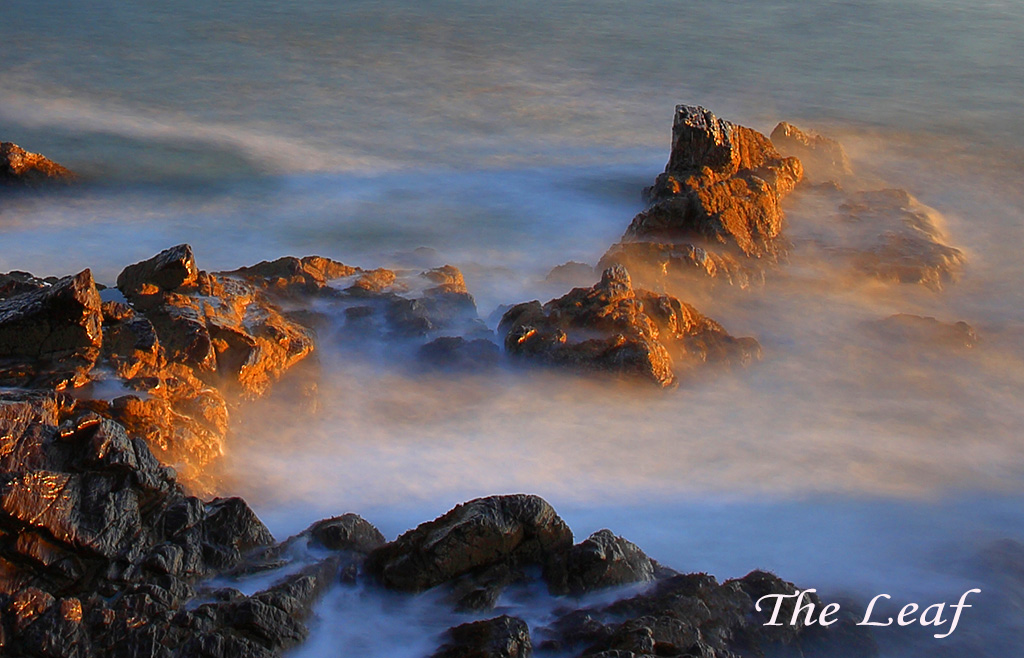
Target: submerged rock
x,y
927,331
481,533
613,328
823,158
501,637
19,167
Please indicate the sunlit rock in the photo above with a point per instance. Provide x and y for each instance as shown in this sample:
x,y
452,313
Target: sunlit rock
x,y
19,167
613,328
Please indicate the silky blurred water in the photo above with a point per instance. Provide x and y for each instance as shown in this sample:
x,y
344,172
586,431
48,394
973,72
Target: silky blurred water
x,y
510,138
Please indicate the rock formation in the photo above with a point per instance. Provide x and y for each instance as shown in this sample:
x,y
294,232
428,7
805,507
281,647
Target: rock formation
x,y
824,159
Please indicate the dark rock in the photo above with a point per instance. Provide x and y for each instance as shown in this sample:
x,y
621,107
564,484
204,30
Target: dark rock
x,y
457,353
516,529
694,615
349,532
570,273
16,282
612,327
602,560
823,158
501,637
51,337
19,167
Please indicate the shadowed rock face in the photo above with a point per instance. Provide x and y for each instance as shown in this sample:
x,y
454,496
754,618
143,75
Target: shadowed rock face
x,y
501,637
19,167
602,560
478,534
613,328
50,336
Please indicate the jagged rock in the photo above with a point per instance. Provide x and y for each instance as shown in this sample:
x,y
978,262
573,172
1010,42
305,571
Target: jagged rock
x,y
374,281
717,204
100,547
516,529
927,331
51,336
602,560
501,637
19,167
823,158
349,532
457,353
722,183
612,327
16,282
693,615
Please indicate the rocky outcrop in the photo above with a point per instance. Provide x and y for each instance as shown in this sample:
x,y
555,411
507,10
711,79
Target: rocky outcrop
x,y
823,158
613,328
501,637
19,167
723,183
476,535
716,206
602,560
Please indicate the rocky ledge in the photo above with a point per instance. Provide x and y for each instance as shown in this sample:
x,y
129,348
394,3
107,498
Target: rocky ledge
x,y
20,168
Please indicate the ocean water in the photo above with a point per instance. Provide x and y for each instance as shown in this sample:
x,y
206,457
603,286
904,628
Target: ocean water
x,y
513,137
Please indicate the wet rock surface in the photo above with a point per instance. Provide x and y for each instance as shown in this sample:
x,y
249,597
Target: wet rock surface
x,y
501,637
614,328
21,168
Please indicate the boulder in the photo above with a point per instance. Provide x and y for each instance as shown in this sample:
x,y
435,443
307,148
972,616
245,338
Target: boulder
x,y
349,532
602,560
823,158
19,167
168,271
501,637
51,336
290,276
516,529
613,328
927,331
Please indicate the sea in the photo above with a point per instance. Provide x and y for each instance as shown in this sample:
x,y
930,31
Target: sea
x,y
509,138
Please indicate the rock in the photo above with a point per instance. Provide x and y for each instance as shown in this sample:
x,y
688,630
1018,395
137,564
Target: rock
x,y
927,331
168,271
717,204
484,532
613,328
823,158
290,276
657,260
349,532
458,354
890,235
722,183
448,279
19,167
51,336
501,637
374,281
602,560
694,615
572,273
16,282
